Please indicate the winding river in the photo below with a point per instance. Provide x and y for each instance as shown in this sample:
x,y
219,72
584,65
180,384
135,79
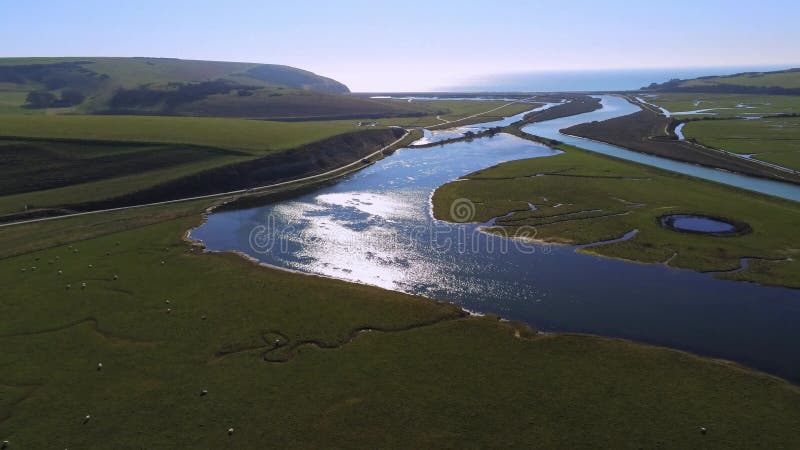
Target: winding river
x,y
616,106
375,227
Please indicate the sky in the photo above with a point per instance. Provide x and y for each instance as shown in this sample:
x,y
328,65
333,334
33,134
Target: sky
x,y
414,45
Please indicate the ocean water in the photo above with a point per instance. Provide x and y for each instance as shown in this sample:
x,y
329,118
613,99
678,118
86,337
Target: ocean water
x,y
590,80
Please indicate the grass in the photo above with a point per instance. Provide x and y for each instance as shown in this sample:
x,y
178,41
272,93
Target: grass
x,y
107,188
582,198
775,140
255,136
455,381
757,104
35,165
63,160
783,79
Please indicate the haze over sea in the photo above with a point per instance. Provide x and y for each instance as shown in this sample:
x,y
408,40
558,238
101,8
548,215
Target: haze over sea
x,y
590,80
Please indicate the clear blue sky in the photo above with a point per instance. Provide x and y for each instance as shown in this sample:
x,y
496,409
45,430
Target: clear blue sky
x,y
410,44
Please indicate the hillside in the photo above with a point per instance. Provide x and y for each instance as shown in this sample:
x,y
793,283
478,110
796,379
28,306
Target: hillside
x,y
782,82
165,86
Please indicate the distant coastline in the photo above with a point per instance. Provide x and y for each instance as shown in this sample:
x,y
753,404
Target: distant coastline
x,y
592,80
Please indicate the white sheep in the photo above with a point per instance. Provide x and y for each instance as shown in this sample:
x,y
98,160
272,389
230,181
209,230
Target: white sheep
x,y
99,366
230,431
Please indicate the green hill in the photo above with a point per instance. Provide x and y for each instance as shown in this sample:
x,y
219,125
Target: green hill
x,y
782,82
166,86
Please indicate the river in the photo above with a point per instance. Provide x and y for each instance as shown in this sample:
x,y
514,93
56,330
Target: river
x,y
375,227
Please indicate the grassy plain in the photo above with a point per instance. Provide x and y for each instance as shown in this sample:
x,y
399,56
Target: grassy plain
x,y
583,198
731,104
91,158
255,136
783,79
775,140
283,364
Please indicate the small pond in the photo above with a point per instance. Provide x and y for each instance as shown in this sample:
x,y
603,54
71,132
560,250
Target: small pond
x,y
700,224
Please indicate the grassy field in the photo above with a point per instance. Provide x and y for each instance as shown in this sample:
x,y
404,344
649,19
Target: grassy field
x,y
731,104
582,197
282,362
775,140
254,136
109,156
784,79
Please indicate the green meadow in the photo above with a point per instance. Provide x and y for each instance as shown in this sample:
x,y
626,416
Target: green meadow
x,y
254,136
731,104
783,79
125,336
775,140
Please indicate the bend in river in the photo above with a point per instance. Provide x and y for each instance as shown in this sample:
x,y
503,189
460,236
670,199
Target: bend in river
x,y
375,227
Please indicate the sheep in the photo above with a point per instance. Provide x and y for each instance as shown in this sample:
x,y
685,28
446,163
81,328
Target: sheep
x,y
99,366
204,392
83,285
230,431
61,272
203,317
169,310
90,266
163,262
69,286
116,277
4,445
703,430
87,418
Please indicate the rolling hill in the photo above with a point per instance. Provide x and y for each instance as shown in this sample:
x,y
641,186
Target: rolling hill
x,y
166,86
782,82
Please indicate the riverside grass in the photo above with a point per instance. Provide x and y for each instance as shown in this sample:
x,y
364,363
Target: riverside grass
x,y
433,378
582,198
775,140
733,105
